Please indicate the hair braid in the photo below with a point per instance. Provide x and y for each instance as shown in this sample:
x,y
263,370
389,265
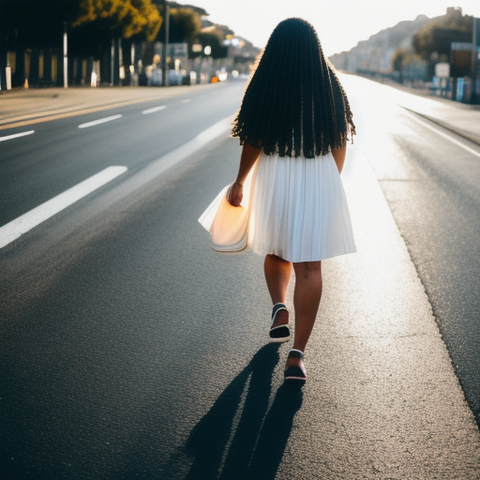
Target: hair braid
x,y
294,104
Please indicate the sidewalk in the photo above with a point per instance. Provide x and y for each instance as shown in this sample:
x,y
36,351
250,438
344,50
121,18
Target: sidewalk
x,y
29,106
460,118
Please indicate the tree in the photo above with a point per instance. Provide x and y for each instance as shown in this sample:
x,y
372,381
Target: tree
x,y
397,62
33,23
218,49
213,38
408,65
40,23
185,25
434,39
121,18
102,24
29,25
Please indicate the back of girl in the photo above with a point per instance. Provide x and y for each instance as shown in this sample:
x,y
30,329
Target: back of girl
x,y
294,123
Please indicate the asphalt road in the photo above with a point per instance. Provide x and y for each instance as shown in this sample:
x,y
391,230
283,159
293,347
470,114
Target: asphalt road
x,y
432,187
59,154
129,350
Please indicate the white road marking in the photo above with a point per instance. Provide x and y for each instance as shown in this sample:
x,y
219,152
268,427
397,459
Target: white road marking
x,y
444,135
99,121
186,100
16,135
14,229
154,109
11,231
176,156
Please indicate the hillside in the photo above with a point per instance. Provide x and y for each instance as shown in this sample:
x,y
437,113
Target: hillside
x,y
376,53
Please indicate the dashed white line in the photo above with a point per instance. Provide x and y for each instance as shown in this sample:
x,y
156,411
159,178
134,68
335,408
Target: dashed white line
x,y
99,121
186,100
16,135
154,109
14,229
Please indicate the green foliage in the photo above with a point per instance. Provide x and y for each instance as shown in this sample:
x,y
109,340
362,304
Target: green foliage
x,y
40,23
397,59
402,58
185,25
121,18
92,24
435,37
151,20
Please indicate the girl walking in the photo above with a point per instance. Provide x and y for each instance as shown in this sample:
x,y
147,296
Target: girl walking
x,y
295,121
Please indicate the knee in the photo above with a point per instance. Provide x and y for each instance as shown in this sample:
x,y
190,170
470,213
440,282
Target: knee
x,y
308,269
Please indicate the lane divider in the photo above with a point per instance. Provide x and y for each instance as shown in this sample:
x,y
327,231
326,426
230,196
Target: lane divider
x,y
179,154
14,229
153,110
100,121
16,135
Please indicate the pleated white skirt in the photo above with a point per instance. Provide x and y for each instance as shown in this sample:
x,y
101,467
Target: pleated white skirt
x,y
299,210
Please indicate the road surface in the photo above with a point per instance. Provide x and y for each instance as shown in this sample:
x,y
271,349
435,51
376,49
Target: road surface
x,y
129,350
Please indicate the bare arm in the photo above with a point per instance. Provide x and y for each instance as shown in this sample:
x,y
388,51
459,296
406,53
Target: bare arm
x,y
250,155
339,156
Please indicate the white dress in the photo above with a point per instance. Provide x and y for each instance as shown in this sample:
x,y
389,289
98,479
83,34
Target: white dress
x,y
299,209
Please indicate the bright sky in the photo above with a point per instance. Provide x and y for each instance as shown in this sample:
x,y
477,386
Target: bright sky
x,y
340,24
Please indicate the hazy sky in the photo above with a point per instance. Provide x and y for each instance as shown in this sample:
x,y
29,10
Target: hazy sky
x,y
340,24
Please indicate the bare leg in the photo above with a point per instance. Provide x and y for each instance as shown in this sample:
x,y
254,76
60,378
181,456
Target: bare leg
x,y
307,294
277,274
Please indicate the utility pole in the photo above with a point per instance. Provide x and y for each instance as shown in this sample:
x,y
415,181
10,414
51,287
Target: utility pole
x,y
166,22
65,56
475,60
112,63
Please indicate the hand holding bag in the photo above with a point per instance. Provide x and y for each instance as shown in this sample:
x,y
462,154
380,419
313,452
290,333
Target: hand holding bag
x,y
229,225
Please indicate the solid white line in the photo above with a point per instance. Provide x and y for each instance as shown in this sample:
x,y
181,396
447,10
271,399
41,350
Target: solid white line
x,y
154,109
99,121
14,229
16,135
448,137
162,164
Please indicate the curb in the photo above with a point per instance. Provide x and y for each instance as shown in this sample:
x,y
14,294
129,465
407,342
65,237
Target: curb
x,y
462,133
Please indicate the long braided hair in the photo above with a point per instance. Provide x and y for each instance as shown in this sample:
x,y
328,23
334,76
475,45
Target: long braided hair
x,y
294,104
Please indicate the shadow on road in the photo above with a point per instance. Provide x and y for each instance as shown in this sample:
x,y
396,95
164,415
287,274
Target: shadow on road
x,y
240,437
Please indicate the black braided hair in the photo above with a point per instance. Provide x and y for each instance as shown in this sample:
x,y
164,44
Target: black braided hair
x,y
294,104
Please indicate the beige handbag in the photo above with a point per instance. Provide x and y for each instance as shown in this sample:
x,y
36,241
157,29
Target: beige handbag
x,y
229,225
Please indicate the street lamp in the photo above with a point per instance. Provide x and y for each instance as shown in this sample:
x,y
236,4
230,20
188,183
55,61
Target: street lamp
x,y
166,20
